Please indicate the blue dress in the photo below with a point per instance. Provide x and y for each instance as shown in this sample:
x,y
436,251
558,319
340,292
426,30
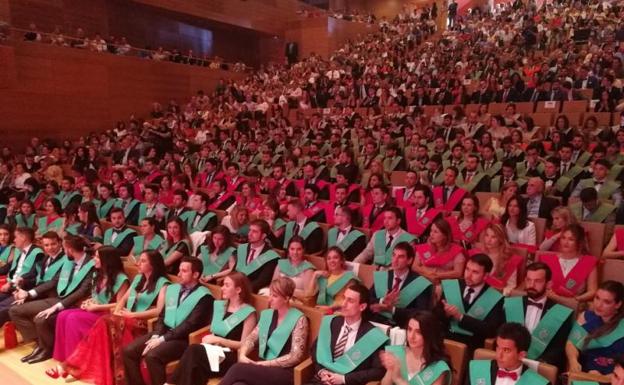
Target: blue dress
x,y
599,359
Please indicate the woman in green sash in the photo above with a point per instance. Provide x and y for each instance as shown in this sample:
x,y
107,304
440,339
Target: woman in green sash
x,y
52,221
423,361
71,224
270,213
238,223
331,283
233,319
281,335
177,245
598,335
98,357
6,247
148,240
217,254
296,268
110,285
25,217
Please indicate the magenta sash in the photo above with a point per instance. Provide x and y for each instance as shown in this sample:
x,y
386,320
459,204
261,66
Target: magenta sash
x,y
377,224
471,235
451,203
437,259
569,285
231,187
512,265
350,190
419,226
619,237
400,201
300,184
312,211
214,205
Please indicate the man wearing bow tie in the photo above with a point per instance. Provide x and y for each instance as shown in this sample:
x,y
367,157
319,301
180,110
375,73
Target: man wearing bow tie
x,y
512,344
606,189
548,322
119,236
344,235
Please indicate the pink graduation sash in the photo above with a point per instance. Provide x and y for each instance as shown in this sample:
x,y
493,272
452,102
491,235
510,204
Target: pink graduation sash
x,y
399,198
471,235
312,211
437,259
512,265
377,224
231,187
619,238
350,190
453,200
419,226
569,285
214,205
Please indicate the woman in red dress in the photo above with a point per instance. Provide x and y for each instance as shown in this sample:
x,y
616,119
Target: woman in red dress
x,y
439,258
469,224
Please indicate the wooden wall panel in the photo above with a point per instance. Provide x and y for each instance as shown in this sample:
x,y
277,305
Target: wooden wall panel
x,y
5,13
63,93
90,15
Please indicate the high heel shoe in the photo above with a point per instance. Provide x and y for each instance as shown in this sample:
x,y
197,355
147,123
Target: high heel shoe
x,y
56,373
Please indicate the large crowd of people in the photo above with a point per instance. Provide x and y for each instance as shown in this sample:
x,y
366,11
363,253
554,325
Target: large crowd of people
x,y
378,185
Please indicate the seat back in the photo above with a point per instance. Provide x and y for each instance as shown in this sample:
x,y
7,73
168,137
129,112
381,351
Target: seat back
x,y
595,237
612,270
458,353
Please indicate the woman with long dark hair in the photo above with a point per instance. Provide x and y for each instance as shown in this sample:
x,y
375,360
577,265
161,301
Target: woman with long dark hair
x,y
89,223
217,254
53,220
295,267
233,319
598,335
98,357
468,225
149,239
109,286
178,244
423,356
439,258
520,231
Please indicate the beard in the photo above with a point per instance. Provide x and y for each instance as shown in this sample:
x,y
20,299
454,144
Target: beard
x,y
533,294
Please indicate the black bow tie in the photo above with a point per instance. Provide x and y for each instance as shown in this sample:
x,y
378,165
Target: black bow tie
x,y
536,304
598,183
342,232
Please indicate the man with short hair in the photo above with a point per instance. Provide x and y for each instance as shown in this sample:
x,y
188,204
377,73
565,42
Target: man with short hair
x,y
403,195
128,204
590,209
119,235
606,189
347,348
178,207
531,165
343,235
538,205
421,214
233,178
200,218
399,291
371,213
448,196
208,174
313,209
220,197
150,206
512,344
383,241
393,161
548,322
256,259
189,307
473,308
68,194
471,179
299,224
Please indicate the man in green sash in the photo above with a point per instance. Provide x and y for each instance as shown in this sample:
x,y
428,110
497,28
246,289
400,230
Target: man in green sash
x,y
128,203
347,348
606,189
302,226
22,272
344,235
256,259
590,209
399,291
200,218
512,343
37,319
473,308
151,208
119,236
188,307
107,201
548,322
68,195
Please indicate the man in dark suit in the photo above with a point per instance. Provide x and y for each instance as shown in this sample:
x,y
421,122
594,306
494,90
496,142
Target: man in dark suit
x,y
556,93
351,241
126,152
399,291
220,198
299,224
348,338
513,339
548,322
201,219
507,94
473,308
483,95
313,209
538,205
584,81
119,235
37,319
472,180
22,272
535,94
347,166
169,338
256,258
447,131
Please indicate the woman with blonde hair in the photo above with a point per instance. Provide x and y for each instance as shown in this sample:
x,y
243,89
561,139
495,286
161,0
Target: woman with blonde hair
x,y
561,218
495,206
495,244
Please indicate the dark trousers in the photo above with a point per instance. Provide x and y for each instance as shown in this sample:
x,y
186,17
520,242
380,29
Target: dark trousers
x,y
156,359
194,367
30,327
250,374
6,300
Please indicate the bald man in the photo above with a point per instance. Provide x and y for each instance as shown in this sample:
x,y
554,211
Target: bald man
x,y
538,205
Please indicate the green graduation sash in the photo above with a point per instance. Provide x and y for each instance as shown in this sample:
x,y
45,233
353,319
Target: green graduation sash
x,y
258,261
327,293
562,183
480,374
407,294
495,183
480,308
303,233
546,328
65,198
584,383
221,326
29,262
102,297
578,334
64,286
278,223
382,256
129,206
53,268
583,158
168,250
607,189
141,301
573,172
139,241
476,179
187,217
4,256
73,229
22,221
601,213
176,313
211,267
493,170
271,346
352,358
108,234
203,222
427,375
43,227
105,208
346,242
615,171
389,166
288,269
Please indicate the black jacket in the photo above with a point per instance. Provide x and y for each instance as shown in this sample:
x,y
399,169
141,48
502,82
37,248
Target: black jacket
x,y
199,317
401,316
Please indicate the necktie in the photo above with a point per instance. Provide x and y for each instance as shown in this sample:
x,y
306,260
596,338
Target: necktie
x,y
184,294
397,284
468,295
598,183
296,229
390,239
468,177
536,304
505,94
503,373
534,96
342,232
250,255
342,342
209,179
447,193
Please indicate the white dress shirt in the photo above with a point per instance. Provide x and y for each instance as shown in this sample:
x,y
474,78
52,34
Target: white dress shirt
x,y
534,314
475,293
507,380
20,263
567,265
352,335
342,236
